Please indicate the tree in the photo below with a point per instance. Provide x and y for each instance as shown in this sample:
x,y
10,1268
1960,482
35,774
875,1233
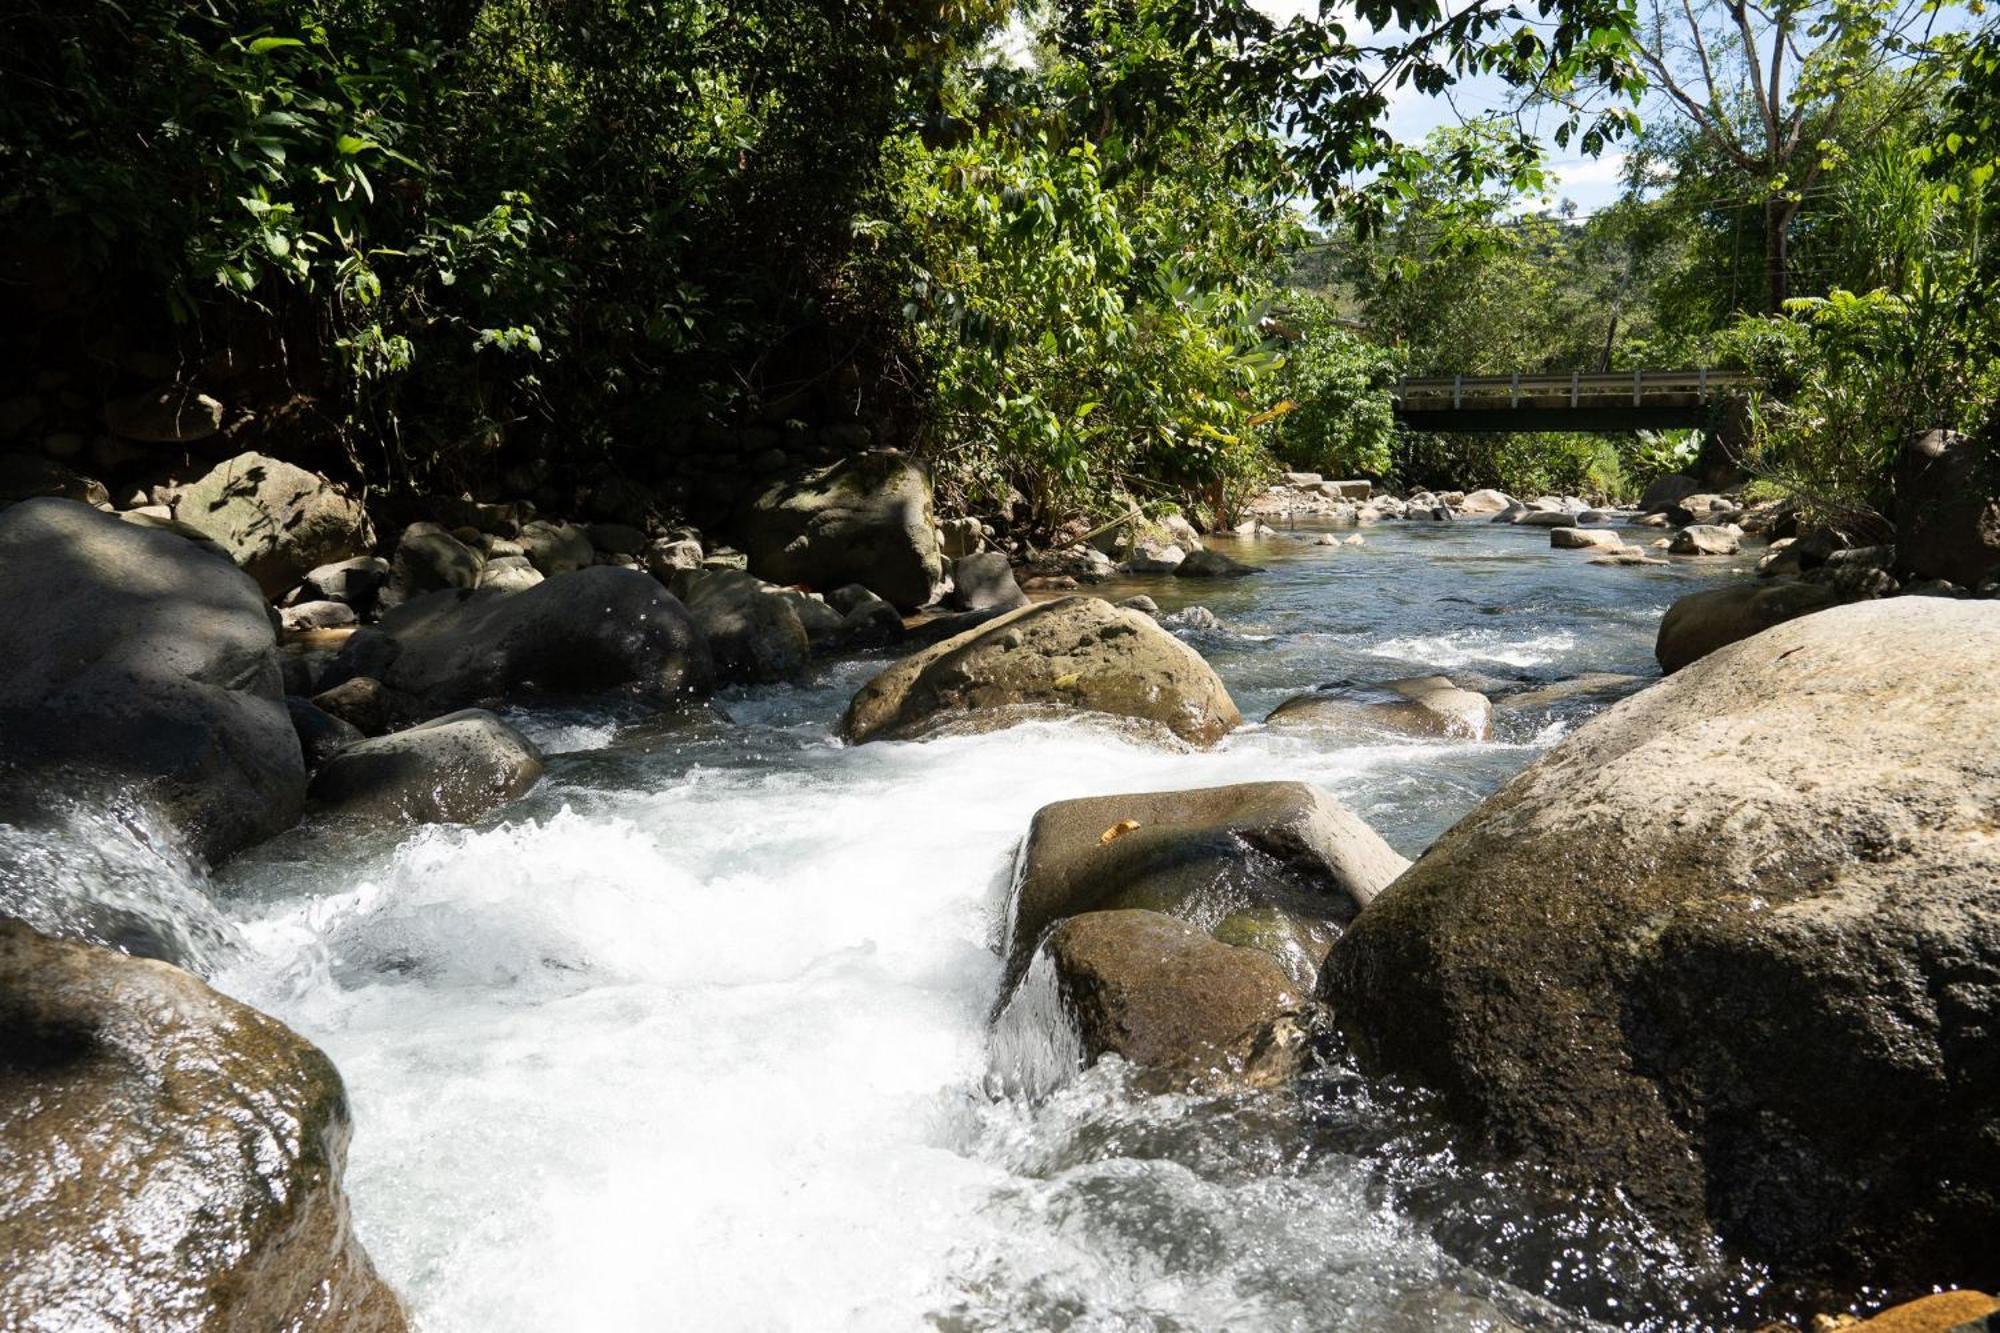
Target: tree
x,y
1773,89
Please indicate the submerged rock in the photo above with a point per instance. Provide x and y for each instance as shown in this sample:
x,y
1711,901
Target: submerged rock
x,y
1733,950
1075,654
450,770
169,1159
1205,855
1702,622
1208,564
866,519
1590,685
585,632
278,522
140,661
1420,705
1178,1004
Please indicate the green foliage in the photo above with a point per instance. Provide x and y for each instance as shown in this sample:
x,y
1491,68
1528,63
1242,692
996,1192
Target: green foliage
x,y
1086,280
1528,464
1342,422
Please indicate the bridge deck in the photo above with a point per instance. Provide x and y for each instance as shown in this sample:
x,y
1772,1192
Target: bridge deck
x,y
1619,400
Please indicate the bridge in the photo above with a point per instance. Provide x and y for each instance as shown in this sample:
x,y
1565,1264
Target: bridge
x,y
1620,400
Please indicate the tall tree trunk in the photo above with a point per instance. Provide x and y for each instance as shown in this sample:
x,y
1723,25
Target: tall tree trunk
x,y
1778,253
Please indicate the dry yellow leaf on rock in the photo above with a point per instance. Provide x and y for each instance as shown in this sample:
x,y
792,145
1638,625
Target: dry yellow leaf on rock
x,y
1118,830
1068,680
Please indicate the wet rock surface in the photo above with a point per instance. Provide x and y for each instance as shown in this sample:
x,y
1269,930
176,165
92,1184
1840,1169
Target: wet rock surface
x,y
866,519
453,769
1074,654
169,1159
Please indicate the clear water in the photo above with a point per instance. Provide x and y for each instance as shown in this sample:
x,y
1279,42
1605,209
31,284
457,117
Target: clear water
x,y
696,1037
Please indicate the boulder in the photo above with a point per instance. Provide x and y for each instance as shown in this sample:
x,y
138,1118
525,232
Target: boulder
x,y
1546,518
169,1159
509,573
1074,654
1858,572
429,559
1704,539
985,582
960,537
865,519
669,555
1213,565
1151,557
141,663
1352,490
1485,502
304,617
1513,513
753,634
557,548
1948,508
1585,539
1959,1311
1181,1007
361,702
1701,509
1590,687
1181,532
355,582
1420,705
1702,622
451,770
1143,603
1733,951
278,522
1205,856
1662,493
589,631
1780,559
321,734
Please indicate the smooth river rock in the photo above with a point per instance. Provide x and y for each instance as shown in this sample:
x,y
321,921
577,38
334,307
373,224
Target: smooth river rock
x,y
585,632
1182,1007
170,1160
753,628
1205,855
866,519
1733,949
1702,622
140,663
1076,654
277,521
1420,705
453,769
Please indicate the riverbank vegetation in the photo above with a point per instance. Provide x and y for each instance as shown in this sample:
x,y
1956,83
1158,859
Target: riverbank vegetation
x,y
1073,255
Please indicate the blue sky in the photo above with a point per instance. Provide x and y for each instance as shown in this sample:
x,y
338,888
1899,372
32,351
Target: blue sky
x,y
1589,182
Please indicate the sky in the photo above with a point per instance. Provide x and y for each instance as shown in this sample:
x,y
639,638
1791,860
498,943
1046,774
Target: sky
x,y
1589,182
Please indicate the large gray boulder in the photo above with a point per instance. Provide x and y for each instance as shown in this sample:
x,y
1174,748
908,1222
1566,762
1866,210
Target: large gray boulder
x,y
451,770
277,521
590,631
1733,951
1948,508
1074,654
753,628
169,1159
429,559
1663,493
1280,863
866,519
141,664
1702,622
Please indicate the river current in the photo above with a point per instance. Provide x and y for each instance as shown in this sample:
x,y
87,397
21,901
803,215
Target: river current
x,y
697,1036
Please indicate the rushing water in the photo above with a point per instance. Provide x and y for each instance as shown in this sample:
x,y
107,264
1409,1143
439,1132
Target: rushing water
x,y
696,1037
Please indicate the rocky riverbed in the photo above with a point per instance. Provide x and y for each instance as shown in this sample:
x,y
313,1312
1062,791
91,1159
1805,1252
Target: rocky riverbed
x,y
749,953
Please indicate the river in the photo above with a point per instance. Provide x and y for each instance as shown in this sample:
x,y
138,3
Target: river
x,y
696,1037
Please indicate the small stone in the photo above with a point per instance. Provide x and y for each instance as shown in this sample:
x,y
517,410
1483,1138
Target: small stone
x,y
307,616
